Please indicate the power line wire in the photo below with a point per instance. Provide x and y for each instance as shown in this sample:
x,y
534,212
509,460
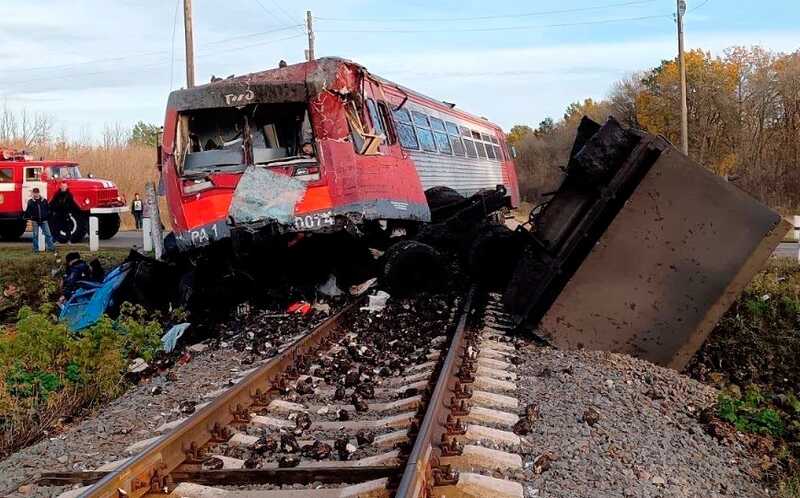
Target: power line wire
x,y
502,28
153,65
484,18
172,48
272,15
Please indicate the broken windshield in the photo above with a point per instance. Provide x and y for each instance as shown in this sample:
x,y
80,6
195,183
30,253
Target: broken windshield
x,y
228,139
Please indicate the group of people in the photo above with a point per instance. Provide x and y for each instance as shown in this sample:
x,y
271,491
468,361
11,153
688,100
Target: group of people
x,y
40,212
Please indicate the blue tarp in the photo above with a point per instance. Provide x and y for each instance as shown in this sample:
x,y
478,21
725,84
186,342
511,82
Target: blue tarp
x,y
88,303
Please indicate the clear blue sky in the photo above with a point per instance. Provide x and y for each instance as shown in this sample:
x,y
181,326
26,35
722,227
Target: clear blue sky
x,y
92,62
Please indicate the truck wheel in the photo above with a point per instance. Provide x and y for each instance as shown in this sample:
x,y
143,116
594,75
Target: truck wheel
x,y
411,266
107,225
69,228
12,230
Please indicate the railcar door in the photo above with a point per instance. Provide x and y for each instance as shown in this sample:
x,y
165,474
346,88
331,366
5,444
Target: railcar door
x,y
33,178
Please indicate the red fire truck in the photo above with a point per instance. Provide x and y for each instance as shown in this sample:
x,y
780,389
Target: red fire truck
x,y
20,174
318,147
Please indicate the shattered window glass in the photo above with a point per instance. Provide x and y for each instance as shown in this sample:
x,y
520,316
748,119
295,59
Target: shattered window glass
x,y
420,119
465,132
470,146
425,137
498,153
458,146
407,137
442,143
494,139
401,116
437,124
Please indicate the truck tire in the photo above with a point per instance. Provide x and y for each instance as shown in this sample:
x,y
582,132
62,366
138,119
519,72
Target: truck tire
x,y
107,225
12,230
70,228
411,266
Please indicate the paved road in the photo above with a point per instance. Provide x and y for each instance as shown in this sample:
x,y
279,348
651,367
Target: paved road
x,y
129,239
123,240
786,250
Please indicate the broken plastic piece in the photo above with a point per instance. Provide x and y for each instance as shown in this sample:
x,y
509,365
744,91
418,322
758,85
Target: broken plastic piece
x,y
357,290
377,302
170,339
300,308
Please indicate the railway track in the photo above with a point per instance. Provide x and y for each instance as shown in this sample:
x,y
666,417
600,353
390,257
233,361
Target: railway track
x,y
427,411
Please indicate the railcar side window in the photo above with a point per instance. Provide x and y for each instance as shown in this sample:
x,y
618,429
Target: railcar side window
x,y
490,151
468,144
497,153
439,134
487,142
479,144
375,117
424,133
6,175
405,132
391,135
455,140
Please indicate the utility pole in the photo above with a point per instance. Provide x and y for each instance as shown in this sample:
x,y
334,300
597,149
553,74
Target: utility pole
x,y
187,28
682,65
310,29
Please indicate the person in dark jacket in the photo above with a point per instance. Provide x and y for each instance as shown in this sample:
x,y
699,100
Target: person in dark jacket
x,y
77,270
137,208
38,211
61,206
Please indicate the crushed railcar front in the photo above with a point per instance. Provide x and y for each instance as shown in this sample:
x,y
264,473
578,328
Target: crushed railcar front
x,y
269,153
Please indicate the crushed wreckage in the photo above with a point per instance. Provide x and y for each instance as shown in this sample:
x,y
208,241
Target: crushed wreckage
x,y
323,176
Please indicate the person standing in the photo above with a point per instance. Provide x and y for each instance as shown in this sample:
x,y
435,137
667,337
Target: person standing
x,y
38,212
137,208
62,205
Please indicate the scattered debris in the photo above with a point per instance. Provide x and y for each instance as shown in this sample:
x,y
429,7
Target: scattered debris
x,y
170,339
377,302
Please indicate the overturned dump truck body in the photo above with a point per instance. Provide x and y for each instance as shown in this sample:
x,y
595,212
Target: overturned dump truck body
x,y
640,251
317,147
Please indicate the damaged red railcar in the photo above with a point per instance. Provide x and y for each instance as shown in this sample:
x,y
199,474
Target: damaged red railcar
x,y
319,146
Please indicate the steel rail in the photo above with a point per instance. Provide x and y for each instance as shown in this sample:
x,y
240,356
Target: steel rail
x,y
149,472
422,470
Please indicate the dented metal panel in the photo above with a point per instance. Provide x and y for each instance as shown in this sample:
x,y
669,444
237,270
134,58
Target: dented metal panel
x,y
677,255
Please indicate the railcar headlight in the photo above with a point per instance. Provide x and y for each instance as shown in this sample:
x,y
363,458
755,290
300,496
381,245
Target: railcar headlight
x,y
86,201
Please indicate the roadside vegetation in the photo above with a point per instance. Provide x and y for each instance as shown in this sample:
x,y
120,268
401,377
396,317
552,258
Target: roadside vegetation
x,y
742,122
753,356
47,373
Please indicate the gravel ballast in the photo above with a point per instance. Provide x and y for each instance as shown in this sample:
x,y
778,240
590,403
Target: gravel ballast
x,y
645,440
613,426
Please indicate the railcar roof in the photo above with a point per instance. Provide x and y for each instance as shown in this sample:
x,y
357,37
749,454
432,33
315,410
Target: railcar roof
x,y
287,84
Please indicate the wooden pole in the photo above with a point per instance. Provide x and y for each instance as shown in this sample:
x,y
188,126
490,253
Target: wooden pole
x,y
310,28
187,27
682,64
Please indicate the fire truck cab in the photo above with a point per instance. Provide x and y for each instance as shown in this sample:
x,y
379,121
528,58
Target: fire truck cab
x,y
21,173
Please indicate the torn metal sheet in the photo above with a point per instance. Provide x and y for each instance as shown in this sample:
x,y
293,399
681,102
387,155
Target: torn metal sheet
x,y
671,262
263,195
